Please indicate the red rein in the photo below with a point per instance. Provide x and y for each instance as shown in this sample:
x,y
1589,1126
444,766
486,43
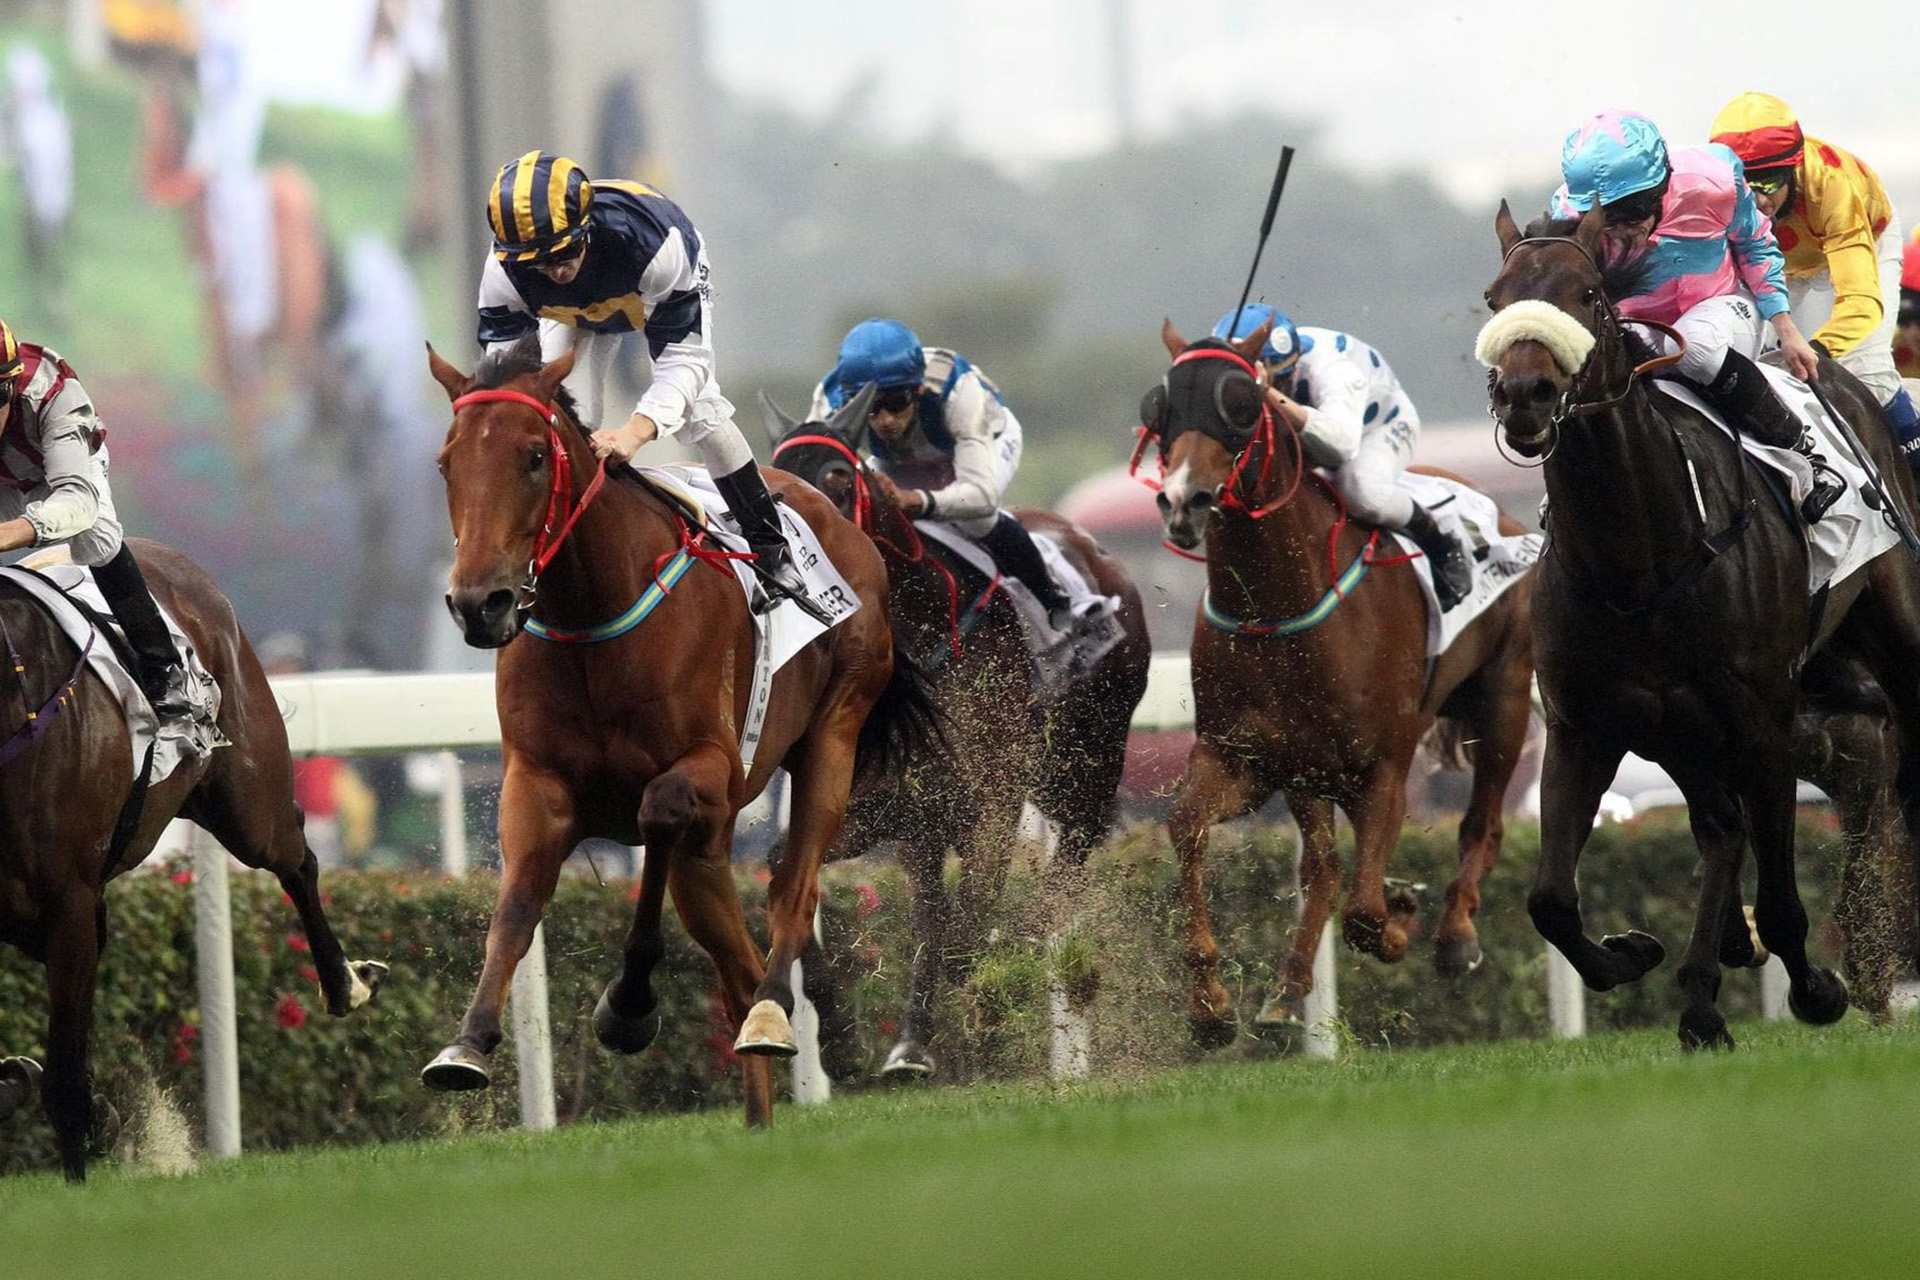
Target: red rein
x,y
562,510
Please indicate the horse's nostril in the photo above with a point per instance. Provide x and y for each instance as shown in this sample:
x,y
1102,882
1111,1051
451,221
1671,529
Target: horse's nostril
x,y
1162,501
1499,394
497,604
1541,391
1202,500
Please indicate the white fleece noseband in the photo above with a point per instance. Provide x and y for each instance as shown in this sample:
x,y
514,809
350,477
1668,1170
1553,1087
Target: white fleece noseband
x,y
1534,321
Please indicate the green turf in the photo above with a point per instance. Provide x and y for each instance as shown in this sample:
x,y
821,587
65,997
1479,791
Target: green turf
x,y
1799,1155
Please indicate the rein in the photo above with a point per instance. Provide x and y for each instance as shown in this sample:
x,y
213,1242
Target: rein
x,y
41,720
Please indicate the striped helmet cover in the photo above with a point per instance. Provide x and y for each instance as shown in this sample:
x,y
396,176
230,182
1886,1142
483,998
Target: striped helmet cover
x,y
538,207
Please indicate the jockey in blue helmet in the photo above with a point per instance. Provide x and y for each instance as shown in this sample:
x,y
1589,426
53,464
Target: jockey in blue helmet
x,y
940,431
1356,421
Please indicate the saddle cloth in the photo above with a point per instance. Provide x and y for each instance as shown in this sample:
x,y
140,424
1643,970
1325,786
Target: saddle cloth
x,y
57,585
1499,560
1853,531
1059,658
787,628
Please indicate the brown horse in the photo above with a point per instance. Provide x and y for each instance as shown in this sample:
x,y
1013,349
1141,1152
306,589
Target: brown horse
x,y
1325,713
1007,748
637,737
61,800
1674,620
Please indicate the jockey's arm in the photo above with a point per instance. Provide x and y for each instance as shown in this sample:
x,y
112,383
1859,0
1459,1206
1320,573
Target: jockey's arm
x,y
974,491
70,504
673,288
1839,220
1331,426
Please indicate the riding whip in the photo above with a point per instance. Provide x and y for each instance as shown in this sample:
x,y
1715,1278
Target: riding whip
x,y
1266,227
1895,516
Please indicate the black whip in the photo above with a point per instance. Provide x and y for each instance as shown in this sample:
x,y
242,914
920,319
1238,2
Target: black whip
x,y
1266,229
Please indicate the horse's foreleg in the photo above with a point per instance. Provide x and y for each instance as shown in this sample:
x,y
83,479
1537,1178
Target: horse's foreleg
x,y
1319,886
923,860
73,959
1719,829
536,835
1501,731
1377,816
1213,791
627,1017
1814,994
1574,774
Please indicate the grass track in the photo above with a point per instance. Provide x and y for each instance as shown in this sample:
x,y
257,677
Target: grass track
x,y
1797,1156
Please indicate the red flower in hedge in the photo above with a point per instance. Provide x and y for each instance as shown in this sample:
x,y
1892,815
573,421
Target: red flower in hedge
x,y
183,1039
297,943
291,1014
869,899
183,876
310,973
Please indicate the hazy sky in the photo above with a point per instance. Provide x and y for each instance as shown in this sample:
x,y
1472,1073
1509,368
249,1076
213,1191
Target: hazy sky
x,y
1479,94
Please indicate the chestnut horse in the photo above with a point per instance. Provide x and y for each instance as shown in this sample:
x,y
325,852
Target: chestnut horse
x,y
1327,712
1066,756
636,737
61,838
1674,620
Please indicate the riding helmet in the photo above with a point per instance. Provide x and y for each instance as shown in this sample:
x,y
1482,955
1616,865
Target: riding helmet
x,y
1761,130
1614,155
1285,343
10,364
538,207
879,351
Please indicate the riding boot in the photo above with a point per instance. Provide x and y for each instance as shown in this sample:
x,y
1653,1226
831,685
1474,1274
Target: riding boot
x,y
1742,393
752,505
158,668
1452,571
1011,547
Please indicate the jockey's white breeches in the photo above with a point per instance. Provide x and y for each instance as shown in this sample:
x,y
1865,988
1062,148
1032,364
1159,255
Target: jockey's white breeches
x,y
708,428
1369,482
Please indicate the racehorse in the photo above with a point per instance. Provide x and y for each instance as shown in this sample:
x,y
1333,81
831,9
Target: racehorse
x,y
1673,619
1006,747
637,737
1311,677
61,799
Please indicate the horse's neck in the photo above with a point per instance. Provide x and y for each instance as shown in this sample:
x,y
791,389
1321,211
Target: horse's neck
x,y
611,554
1276,567
912,567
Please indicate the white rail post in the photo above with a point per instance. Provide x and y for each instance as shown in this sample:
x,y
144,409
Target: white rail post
x,y
453,816
1323,1002
1773,989
213,962
1070,1044
533,1036
1566,997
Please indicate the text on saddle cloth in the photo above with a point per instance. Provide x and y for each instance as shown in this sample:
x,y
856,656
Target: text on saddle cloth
x,y
58,586
1853,531
1499,560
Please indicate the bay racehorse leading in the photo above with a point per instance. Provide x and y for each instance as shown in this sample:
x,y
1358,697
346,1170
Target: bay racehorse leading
x,y
1673,619
1008,743
1311,677
62,797
636,736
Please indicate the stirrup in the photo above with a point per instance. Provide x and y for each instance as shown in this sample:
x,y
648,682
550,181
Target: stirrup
x,y
1828,489
774,588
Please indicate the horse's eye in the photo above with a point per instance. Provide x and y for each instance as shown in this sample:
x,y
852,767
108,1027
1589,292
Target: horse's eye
x,y
536,459
1591,297
1153,409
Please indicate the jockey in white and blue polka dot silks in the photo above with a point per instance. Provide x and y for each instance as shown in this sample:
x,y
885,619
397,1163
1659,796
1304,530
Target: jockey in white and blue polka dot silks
x,y
588,265
1357,422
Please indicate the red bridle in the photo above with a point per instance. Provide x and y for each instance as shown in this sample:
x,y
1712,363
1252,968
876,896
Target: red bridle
x,y
562,511
1263,434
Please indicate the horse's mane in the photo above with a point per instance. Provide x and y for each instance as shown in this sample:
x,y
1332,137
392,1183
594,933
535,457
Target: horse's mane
x,y
502,364
1620,279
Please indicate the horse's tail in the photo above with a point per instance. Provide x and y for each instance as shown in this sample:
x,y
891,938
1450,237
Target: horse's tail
x,y
1448,745
905,725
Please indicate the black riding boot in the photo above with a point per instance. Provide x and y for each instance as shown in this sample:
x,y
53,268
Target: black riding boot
x,y
1742,392
752,505
161,676
1011,547
1452,572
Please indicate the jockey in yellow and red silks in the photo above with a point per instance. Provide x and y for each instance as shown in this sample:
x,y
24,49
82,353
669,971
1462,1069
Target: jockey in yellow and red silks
x,y
53,490
1837,230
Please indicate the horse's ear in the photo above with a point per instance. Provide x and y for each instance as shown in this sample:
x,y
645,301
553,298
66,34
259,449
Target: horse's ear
x,y
1171,337
445,374
779,425
849,421
1251,345
1506,228
551,375
1592,222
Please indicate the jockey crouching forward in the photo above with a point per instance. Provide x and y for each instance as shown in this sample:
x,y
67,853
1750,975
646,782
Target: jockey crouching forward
x,y
588,265
1356,421
1682,236
53,489
939,426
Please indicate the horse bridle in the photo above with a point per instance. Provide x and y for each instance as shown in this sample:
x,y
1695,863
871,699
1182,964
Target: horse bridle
x,y
1239,444
563,512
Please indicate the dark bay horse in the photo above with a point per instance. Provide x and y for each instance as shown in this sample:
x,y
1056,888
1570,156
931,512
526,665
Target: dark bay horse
x,y
1006,747
1326,712
61,799
637,737
1673,621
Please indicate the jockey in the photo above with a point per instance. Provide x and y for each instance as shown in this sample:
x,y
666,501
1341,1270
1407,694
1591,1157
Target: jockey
x,y
1906,344
53,489
1838,231
939,423
586,264
1355,420
1686,227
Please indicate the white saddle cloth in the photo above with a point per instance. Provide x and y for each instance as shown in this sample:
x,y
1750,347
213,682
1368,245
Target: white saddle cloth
x,y
1499,560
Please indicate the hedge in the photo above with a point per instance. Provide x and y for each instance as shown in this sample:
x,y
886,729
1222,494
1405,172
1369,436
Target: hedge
x,y
307,1078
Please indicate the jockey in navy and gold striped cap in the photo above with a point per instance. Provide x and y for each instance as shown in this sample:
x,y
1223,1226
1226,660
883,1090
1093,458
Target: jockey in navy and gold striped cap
x,y
10,363
538,207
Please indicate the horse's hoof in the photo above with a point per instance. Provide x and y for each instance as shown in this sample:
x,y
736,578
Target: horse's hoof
x,y
1824,1001
458,1069
1457,957
19,1082
1639,953
1704,1029
767,1031
1212,1031
368,977
620,1033
1384,940
1281,1013
907,1061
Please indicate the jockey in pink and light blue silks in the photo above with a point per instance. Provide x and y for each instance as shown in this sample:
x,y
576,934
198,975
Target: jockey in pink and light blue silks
x,y
1683,230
